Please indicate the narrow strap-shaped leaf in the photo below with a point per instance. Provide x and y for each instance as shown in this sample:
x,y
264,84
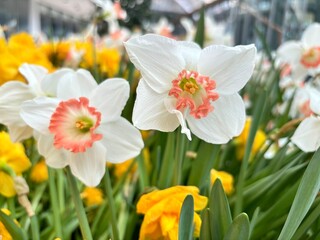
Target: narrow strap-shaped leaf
x,y
304,198
186,219
220,215
14,230
200,34
239,229
205,225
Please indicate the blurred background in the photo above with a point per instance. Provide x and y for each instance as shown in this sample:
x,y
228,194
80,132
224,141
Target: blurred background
x,y
230,22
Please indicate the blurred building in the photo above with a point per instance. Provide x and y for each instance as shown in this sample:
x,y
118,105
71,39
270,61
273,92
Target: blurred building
x,y
54,18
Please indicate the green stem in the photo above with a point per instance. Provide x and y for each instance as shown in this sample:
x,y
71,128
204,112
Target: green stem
x,y
112,206
245,162
54,203
82,217
144,180
180,144
35,228
11,206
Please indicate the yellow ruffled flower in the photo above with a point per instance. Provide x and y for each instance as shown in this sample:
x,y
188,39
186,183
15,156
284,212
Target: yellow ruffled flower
x,y
92,196
12,157
241,140
225,178
3,231
39,172
162,210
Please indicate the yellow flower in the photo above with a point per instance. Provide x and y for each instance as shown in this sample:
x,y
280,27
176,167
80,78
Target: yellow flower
x,y
12,157
39,172
241,140
92,196
109,61
162,210
225,178
3,231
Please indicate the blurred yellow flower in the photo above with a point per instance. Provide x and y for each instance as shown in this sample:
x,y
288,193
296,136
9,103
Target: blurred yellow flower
x,y
92,196
109,61
162,210
225,178
19,49
120,168
12,158
241,140
39,172
4,234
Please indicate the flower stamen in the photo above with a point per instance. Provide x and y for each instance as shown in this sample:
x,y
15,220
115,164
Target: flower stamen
x,y
73,124
195,92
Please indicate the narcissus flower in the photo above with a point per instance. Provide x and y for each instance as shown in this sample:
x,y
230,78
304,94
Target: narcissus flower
x,y
14,93
307,135
303,56
184,85
92,196
82,127
225,178
12,158
39,172
162,210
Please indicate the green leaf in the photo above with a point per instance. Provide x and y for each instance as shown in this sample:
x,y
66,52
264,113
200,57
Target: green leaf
x,y
205,225
186,219
304,198
203,163
200,34
239,229
167,166
14,230
220,215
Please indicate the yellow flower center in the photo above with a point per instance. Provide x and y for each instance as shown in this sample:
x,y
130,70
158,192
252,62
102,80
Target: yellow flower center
x,y
84,124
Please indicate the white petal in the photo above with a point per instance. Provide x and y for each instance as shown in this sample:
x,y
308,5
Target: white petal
x,y
110,98
159,59
150,112
12,95
307,135
314,100
34,74
230,67
18,134
311,36
170,105
191,53
89,166
225,122
122,140
76,84
37,113
55,158
49,84
290,52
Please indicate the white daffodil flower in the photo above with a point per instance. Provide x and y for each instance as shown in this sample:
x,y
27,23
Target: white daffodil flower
x,y
303,56
82,127
307,135
184,85
14,93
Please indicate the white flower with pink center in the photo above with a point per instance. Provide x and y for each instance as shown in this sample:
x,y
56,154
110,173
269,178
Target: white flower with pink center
x,y
83,127
184,85
303,56
307,135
